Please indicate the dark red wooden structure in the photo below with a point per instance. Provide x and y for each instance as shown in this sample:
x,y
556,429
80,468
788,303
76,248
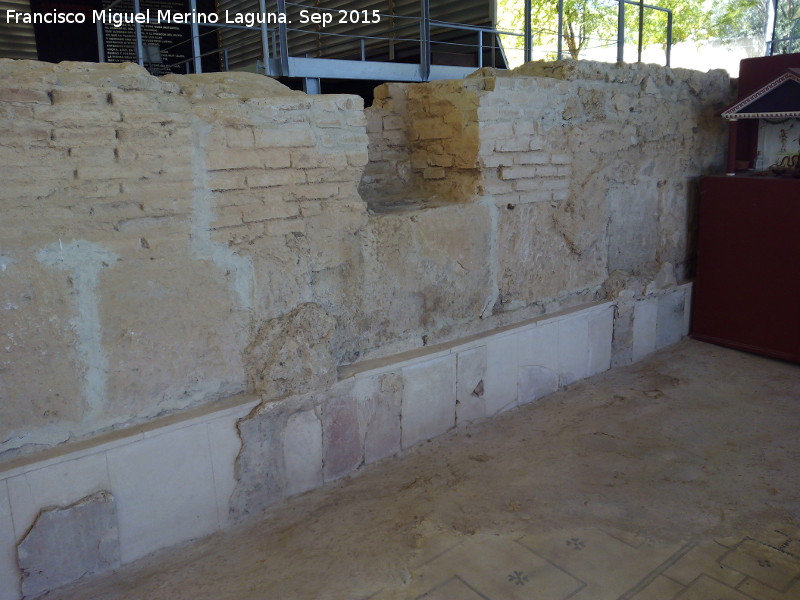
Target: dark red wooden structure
x,y
747,286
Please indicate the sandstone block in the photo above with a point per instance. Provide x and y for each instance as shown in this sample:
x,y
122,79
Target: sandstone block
x,y
434,173
227,180
276,177
516,172
532,158
220,158
13,94
239,138
393,122
284,137
271,209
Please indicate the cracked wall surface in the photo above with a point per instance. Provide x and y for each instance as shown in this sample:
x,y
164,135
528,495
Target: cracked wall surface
x,y
169,242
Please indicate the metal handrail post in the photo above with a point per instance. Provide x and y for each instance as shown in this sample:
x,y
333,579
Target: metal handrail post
x,y
560,29
425,41
640,45
262,6
774,24
480,49
138,29
621,31
284,40
528,32
669,36
198,63
101,50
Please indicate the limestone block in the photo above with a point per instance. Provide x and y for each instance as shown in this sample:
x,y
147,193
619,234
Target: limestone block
x,y
532,158
500,385
645,323
601,332
536,382
302,452
573,348
548,251
514,144
164,486
517,172
343,432
538,345
622,340
41,383
633,230
225,445
687,309
380,400
67,543
9,572
429,399
293,136
424,268
670,318
176,339
260,469
58,484
470,376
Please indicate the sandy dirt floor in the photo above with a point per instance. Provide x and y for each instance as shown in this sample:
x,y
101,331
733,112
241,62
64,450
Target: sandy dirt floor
x,y
693,450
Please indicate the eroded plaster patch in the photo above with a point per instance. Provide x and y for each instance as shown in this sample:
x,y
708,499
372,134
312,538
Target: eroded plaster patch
x,y
239,267
84,260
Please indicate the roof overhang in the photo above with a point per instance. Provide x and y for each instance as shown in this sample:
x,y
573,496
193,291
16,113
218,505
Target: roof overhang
x,y
779,99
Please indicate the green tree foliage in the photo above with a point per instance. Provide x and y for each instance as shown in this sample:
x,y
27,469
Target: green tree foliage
x,y
734,19
590,23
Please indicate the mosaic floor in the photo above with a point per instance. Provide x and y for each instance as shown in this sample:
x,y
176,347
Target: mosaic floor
x,y
674,479
592,564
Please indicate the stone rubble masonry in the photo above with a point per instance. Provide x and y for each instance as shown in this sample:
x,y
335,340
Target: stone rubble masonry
x,y
168,243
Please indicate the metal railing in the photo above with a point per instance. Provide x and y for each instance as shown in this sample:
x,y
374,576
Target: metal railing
x,y
352,56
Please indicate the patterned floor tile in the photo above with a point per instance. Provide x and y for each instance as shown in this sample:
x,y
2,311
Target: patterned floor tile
x,y
453,589
497,568
611,567
759,591
765,564
707,588
661,588
704,559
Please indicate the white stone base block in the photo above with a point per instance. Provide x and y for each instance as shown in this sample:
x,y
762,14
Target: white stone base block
x,y
429,399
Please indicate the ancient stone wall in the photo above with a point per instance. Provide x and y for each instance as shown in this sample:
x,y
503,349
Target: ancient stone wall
x,y
263,291
166,243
